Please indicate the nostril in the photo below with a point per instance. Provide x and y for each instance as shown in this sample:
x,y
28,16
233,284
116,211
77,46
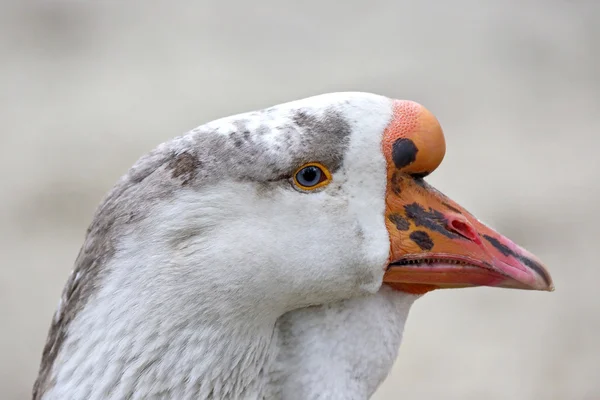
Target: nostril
x,y
463,228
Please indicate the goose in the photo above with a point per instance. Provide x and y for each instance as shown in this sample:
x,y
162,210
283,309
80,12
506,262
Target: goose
x,y
273,254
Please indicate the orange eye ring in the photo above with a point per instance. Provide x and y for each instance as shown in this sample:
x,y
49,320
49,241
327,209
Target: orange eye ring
x,y
312,176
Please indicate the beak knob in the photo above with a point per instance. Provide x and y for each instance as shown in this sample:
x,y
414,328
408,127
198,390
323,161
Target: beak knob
x,y
414,139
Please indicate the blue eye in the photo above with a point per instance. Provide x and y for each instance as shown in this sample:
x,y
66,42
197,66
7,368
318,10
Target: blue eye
x,y
312,176
309,176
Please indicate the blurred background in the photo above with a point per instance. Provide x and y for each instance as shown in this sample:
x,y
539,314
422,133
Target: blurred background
x,y
87,88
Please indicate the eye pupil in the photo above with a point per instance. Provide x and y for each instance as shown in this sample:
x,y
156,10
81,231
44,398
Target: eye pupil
x,y
309,176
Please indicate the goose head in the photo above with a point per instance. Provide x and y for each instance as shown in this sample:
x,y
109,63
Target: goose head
x,y
209,240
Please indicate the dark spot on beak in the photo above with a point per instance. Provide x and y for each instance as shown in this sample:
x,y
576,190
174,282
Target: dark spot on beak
x,y
401,223
420,175
430,219
421,182
449,207
395,183
404,152
507,252
502,248
422,239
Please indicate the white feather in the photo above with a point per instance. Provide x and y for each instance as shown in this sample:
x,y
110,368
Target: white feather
x,y
192,303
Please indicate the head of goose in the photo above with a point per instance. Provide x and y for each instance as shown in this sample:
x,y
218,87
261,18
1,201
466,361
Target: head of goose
x,y
199,270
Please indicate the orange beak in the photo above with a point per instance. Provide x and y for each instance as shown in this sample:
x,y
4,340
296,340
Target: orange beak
x,y
434,242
